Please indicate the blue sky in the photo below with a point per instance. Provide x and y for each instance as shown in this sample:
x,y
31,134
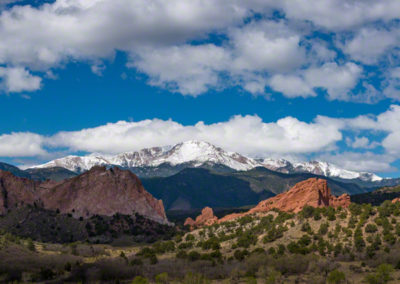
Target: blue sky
x,y
294,80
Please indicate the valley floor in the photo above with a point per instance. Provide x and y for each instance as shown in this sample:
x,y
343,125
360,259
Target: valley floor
x,y
318,245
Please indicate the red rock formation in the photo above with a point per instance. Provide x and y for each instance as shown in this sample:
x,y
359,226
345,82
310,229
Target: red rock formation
x,y
14,190
99,191
397,199
311,192
342,201
206,218
189,222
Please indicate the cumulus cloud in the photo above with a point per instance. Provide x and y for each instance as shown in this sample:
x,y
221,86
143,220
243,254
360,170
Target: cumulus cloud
x,y
292,86
370,44
341,14
21,144
187,69
286,137
335,79
367,161
191,47
18,79
392,89
44,36
266,46
244,134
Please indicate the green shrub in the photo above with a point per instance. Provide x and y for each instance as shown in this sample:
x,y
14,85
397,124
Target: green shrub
x,y
336,277
240,254
140,280
189,237
153,259
162,278
323,229
273,277
306,228
245,220
246,240
389,238
211,243
163,247
307,211
355,209
281,249
382,274
181,254
136,261
194,255
146,252
194,278
330,213
371,228
274,234
30,245
186,245
358,239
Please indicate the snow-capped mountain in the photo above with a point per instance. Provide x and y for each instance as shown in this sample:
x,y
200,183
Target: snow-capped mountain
x,y
196,153
318,168
199,153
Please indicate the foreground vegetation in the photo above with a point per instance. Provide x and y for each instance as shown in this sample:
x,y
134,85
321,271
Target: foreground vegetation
x,y
318,245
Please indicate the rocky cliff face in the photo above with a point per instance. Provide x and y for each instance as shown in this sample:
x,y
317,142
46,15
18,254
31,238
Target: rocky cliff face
x,y
15,191
312,192
99,191
206,218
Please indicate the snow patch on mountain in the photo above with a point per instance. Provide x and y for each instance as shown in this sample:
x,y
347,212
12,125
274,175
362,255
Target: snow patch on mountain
x,y
198,153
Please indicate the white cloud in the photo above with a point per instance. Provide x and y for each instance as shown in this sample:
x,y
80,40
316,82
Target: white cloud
x,y
45,36
291,86
170,42
392,88
16,79
337,80
286,137
245,134
362,143
21,144
187,69
368,161
369,44
340,14
266,46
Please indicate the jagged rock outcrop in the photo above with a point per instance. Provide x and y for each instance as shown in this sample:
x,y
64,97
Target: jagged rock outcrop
x,y
311,192
100,191
206,218
397,199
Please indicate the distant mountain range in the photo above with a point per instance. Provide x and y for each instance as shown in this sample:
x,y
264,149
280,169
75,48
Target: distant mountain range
x,y
194,174
169,160
378,196
41,174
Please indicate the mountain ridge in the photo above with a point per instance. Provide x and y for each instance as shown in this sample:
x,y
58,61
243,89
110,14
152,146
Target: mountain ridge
x,y
198,153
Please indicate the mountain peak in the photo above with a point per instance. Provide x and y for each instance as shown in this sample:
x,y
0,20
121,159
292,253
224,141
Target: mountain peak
x,y
197,153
